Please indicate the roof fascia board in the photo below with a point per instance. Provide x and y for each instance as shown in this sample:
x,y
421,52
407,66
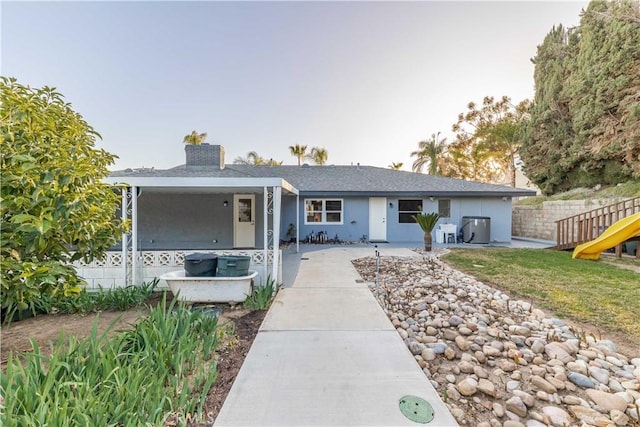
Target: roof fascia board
x,y
451,194
196,182
286,185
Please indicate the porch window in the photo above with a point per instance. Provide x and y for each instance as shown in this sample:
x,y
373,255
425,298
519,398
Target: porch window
x,y
323,211
407,209
444,208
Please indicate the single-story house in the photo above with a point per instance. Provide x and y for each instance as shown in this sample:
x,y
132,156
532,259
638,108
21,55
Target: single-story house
x,y
208,205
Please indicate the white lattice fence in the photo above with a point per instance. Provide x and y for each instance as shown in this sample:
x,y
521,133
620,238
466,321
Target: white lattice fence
x,y
108,272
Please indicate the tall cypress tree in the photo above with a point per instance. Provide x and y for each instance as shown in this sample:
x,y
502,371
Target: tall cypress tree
x,y
550,131
605,92
585,120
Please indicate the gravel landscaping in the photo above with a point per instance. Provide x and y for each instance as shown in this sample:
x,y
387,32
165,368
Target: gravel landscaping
x,y
501,362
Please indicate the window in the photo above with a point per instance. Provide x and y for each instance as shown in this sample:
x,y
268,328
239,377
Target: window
x,y
444,208
407,209
323,211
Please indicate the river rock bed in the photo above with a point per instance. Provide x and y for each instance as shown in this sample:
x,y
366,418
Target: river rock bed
x,y
500,362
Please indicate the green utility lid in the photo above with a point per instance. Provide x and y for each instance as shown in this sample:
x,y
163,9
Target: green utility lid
x,y
416,409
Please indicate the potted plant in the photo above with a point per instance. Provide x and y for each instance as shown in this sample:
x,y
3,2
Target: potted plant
x,y
291,233
427,221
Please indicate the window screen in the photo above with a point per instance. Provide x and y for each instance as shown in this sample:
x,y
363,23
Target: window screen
x,y
444,208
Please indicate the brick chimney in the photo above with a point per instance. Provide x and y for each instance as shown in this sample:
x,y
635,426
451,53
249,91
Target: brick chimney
x,y
205,155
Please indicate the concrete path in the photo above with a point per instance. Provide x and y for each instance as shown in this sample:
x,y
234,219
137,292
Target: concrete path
x,y
327,355
291,259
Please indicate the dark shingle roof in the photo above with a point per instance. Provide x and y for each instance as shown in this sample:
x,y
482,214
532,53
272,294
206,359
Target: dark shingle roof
x,y
334,180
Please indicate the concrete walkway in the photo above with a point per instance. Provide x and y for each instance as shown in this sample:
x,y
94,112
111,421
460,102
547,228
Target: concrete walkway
x,y
291,259
327,355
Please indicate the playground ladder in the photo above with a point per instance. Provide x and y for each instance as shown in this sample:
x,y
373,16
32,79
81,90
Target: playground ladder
x,y
577,229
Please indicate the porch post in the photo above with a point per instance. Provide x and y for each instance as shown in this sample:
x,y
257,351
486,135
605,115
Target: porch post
x,y
134,235
277,205
265,233
297,223
123,216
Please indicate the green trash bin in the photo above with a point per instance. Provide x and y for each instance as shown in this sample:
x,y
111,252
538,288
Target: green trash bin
x,y
233,265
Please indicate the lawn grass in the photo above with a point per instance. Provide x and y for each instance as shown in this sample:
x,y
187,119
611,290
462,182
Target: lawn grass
x,y
591,292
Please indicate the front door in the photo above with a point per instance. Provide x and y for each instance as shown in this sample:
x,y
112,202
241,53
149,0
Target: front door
x,y
244,221
377,219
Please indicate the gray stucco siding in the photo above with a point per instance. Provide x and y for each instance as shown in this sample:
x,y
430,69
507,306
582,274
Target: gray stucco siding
x,y
498,210
495,208
288,216
355,218
189,221
406,232
193,221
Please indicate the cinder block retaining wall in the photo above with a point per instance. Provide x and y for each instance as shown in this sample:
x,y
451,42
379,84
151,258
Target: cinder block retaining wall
x,y
539,222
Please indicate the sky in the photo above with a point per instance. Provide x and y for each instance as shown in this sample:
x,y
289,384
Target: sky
x,y
365,80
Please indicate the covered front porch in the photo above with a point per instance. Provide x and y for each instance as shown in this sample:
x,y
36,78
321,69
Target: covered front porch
x,y
171,217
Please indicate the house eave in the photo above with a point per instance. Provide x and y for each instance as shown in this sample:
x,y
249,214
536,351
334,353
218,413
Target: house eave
x,y
221,184
395,194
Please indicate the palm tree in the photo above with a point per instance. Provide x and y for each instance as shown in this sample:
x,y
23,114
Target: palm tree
x,y
299,151
319,155
427,222
272,162
396,166
252,158
429,154
195,138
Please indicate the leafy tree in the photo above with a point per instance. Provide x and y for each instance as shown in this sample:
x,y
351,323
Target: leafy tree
x,y
254,158
55,208
585,120
195,138
503,138
488,139
466,159
318,155
430,153
299,151
396,166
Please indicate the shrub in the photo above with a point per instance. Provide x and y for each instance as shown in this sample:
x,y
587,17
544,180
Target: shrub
x,y
55,208
162,367
262,296
117,299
